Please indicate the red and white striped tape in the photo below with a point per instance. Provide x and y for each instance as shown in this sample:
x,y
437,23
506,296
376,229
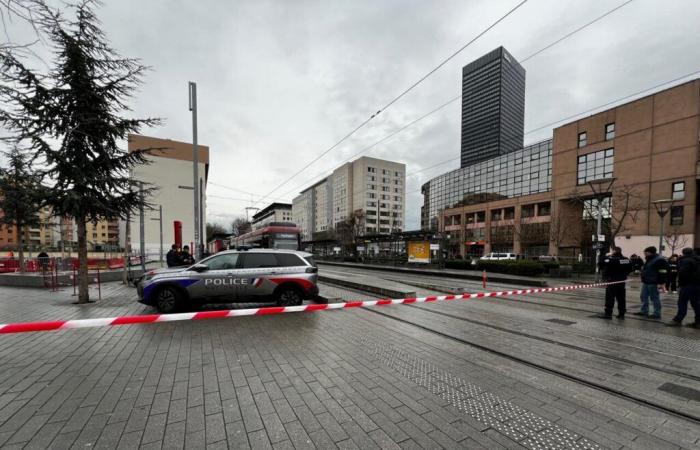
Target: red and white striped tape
x,y
155,318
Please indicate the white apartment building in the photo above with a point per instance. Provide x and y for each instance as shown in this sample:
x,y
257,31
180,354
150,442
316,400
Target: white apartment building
x,y
275,212
170,173
373,186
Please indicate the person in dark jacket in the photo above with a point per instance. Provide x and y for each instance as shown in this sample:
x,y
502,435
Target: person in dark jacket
x,y
615,267
654,274
689,284
186,258
672,274
172,258
636,262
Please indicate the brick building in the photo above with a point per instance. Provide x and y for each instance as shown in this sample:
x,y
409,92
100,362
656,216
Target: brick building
x,y
649,146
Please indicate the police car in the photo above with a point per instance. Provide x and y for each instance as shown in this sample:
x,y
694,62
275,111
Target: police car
x,y
286,277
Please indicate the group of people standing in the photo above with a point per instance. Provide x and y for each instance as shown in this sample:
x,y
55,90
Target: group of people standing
x,y
177,257
658,275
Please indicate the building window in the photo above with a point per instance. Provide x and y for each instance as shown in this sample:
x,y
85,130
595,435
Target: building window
x,y
397,174
610,131
371,169
371,186
595,166
582,139
676,215
544,209
371,195
527,211
679,190
372,204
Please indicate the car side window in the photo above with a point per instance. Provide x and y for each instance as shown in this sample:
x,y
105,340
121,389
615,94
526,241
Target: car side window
x,y
288,260
222,262
259,260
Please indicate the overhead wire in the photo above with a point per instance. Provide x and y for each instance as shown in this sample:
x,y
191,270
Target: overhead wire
x,y
395,99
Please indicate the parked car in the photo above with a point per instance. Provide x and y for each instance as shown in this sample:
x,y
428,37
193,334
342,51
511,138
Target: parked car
x,y
286,277
497,257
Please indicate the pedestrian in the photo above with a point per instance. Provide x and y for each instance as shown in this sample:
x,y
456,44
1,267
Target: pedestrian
x,y
615,268
654,272
172,258
672,273
636,262
43,258
186,258
689,284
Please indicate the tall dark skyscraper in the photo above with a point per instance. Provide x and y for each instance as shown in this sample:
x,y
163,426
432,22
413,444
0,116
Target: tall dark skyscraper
x,y
493,106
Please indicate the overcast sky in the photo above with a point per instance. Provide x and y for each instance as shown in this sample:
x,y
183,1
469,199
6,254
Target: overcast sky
x,y
281,81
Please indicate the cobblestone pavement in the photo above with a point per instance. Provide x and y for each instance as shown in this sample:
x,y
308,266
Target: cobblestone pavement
x,y
337,379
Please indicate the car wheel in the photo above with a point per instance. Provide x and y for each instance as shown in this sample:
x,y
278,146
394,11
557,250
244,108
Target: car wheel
x,y
168,300
288,296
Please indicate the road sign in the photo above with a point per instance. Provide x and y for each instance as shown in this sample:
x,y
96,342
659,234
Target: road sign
x,y
601,238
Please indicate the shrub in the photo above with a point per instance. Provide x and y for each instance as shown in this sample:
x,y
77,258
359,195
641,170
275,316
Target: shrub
x,y
512,267
460,264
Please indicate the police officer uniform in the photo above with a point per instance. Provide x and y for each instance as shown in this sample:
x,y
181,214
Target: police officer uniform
x,y
615,267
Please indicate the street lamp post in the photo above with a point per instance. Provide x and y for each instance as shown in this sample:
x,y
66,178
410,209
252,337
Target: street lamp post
x,y
601,188
662,208
195,169
160,225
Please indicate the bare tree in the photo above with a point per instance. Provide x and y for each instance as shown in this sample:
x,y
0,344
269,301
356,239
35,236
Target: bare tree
x,y
240,225
619,212
675,240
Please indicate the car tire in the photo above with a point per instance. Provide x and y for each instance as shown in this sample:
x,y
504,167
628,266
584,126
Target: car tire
x,y
168,300
288,296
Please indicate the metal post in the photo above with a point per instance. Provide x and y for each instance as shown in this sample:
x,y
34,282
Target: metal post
x,y
661,235
195,168
597,241
142,229
160,220
127,232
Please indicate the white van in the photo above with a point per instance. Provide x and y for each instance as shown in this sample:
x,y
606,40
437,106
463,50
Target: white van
x,y
498,257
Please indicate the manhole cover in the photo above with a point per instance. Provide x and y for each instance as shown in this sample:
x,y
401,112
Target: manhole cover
x,y
681,391
561,321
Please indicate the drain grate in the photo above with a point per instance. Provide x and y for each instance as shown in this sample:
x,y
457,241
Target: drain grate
x,y
681,391
561,321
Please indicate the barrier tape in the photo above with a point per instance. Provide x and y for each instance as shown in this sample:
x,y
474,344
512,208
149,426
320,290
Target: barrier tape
x,y
156,318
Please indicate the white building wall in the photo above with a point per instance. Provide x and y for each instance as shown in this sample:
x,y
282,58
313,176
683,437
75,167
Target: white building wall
x,y
167,175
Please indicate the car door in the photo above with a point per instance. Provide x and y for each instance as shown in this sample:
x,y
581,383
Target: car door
x,y
219,283
256,268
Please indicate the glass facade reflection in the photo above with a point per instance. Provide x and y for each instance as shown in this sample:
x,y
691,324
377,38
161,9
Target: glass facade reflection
x,y
523,172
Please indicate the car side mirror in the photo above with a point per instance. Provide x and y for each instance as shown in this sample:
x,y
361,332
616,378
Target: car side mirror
x,y
200,268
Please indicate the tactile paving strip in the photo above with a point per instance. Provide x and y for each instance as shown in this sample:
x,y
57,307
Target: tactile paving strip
x,y
507,418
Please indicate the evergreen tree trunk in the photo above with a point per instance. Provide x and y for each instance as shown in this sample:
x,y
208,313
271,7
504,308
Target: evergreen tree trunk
x,y
83,293
20,248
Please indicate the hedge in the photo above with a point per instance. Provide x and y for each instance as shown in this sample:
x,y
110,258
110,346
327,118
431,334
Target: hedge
x,y
460,264
512,267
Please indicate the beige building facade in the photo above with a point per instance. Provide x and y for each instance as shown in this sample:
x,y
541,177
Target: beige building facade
x,y
632,157
371,188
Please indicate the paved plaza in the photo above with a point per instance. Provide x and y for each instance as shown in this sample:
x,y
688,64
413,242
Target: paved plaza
x,y
526,372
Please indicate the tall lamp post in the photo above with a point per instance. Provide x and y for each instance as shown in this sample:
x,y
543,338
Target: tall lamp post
x,y
601,188
160,225
195,171
662,208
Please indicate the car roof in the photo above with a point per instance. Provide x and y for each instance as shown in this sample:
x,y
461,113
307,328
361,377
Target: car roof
x,y
267,250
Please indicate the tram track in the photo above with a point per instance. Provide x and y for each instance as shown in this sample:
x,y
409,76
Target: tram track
x,y
544,368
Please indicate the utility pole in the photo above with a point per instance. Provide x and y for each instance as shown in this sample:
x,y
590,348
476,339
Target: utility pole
x,y
127,259
195,169
142,229
160,224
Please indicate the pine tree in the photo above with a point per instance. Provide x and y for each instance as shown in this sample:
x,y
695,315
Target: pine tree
x,y
72,118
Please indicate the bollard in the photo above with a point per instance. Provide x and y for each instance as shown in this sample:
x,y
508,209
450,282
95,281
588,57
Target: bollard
x,y
99,285
73,265
483,279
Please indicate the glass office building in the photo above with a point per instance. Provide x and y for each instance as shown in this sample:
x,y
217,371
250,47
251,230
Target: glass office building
x,y
522,172
493,107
